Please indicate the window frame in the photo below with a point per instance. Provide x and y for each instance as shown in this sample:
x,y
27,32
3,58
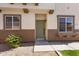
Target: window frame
x,y
58,24
11,15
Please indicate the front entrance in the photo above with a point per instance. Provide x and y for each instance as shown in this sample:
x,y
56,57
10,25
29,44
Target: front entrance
x,y
40,29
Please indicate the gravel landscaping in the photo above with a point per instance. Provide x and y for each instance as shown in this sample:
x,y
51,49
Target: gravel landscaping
x,y
25,50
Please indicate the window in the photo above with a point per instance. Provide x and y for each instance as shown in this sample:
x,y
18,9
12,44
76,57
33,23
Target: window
x,y
12,22
65,23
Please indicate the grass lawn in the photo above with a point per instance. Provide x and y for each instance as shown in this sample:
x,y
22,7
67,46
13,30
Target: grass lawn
x,y
70,52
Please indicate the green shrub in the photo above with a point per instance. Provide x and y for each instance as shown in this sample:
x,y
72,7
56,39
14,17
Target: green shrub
x,y
13,40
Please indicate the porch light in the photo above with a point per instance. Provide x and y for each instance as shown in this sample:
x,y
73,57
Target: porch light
x,y
26,10
51,11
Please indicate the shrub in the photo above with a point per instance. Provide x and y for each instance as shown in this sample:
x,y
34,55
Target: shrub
x,y
13,40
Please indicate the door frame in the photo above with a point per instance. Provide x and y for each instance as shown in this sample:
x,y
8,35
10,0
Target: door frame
x,y
45,27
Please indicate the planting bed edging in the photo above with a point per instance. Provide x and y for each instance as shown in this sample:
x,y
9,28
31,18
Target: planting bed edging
x,y
58,53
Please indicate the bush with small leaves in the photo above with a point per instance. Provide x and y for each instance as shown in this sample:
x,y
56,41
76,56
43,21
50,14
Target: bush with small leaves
x,y
13,40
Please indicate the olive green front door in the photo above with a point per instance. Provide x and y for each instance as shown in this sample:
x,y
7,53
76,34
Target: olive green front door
x,y
40,29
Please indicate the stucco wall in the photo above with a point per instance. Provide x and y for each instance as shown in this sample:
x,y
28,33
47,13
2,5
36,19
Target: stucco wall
x,y
51,21
27,19
68,9
63,9
11,11
1,21
27,25
20,6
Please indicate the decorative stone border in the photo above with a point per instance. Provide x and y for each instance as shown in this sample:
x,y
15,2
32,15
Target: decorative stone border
x,y
58,53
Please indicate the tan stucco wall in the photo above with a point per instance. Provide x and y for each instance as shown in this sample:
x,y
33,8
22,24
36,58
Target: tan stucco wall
x,y
27,19
51,21
11,11
63,9
68,9
1,21
20,6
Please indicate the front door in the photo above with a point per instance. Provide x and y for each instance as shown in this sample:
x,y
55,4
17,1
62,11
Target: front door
x,y
40,29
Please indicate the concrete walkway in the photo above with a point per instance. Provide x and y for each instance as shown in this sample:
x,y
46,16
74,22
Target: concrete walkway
x,y
40,48
26,49
64,45
53,46
74,45
60,46
41,45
